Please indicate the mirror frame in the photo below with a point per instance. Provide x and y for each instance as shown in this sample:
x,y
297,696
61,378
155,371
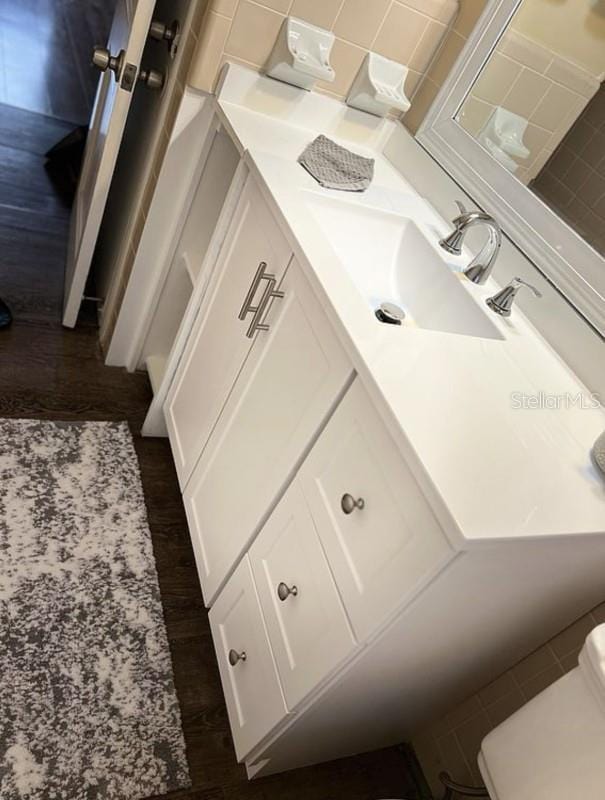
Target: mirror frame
x,y
561,254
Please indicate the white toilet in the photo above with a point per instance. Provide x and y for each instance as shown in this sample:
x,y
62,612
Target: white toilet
x,y
554,747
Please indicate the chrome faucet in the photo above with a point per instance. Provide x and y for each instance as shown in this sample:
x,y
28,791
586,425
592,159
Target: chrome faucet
x,y
502,302
479,270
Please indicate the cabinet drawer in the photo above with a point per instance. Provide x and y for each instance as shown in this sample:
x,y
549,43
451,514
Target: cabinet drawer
x,y
253,694
381,552
308,628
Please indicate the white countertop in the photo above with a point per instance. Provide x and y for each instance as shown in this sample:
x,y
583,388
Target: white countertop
x,y
501,472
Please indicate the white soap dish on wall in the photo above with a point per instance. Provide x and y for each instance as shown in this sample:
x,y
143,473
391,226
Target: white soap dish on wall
x,y
301,54
379,86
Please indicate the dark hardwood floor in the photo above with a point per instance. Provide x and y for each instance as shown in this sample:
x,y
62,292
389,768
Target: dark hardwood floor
x,y
48,372
45,53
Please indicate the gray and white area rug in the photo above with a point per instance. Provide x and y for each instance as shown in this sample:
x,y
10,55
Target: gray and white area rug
x,y
88,709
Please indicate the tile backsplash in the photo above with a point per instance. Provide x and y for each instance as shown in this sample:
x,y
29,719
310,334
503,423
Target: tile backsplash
x,y
452,743
540,85
408,31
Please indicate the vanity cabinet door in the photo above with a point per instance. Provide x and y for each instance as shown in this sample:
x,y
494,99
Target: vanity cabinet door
x,y
289,384
308,629
379,533
253,694
218,344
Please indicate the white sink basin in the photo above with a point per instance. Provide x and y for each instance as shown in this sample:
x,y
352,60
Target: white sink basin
x,y
390,259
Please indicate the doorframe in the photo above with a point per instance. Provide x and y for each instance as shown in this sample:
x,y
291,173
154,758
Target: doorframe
x,y
173,195
111,301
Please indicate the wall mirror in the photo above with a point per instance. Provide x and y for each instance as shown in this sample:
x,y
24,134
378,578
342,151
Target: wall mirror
x,y
520,124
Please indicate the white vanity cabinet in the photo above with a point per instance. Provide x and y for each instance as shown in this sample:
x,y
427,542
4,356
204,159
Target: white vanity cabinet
x,y
308,627
291,380
328,573
379,533
260,375
254,248
253,694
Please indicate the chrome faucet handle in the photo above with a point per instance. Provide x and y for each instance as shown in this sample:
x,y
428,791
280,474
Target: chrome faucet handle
x,y
453,242
502,302
461,207
479,270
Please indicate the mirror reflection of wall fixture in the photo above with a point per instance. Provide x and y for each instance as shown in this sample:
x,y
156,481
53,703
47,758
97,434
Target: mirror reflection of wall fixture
x,y
502,135
522,109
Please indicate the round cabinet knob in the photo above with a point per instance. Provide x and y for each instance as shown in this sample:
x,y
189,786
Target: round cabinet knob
x,y
235,657
348,503
284,591
103,60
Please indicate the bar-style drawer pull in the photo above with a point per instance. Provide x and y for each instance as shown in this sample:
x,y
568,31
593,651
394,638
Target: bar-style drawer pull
x,y
235,657
270,292
284,591
247,307
348,503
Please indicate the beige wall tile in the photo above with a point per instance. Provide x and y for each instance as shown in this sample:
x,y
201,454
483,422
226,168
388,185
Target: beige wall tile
x,y
496,79
322,13
427,46
463,712
505,707
446,57
283,6
400,33
497,689
542,681
225,7
470,735
549,111
538,163
525,51
346,60
526,92
210,48
534,664
411,82
469,13
451,754
408,31
535,139
423,99
572,638
572,77
598,614
358,21
253,32
474,114
442,10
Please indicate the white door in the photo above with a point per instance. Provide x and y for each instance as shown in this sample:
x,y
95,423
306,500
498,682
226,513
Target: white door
x,y
292,379
126,42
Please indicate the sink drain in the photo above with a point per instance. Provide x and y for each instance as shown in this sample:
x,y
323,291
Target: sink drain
x,y
390,314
